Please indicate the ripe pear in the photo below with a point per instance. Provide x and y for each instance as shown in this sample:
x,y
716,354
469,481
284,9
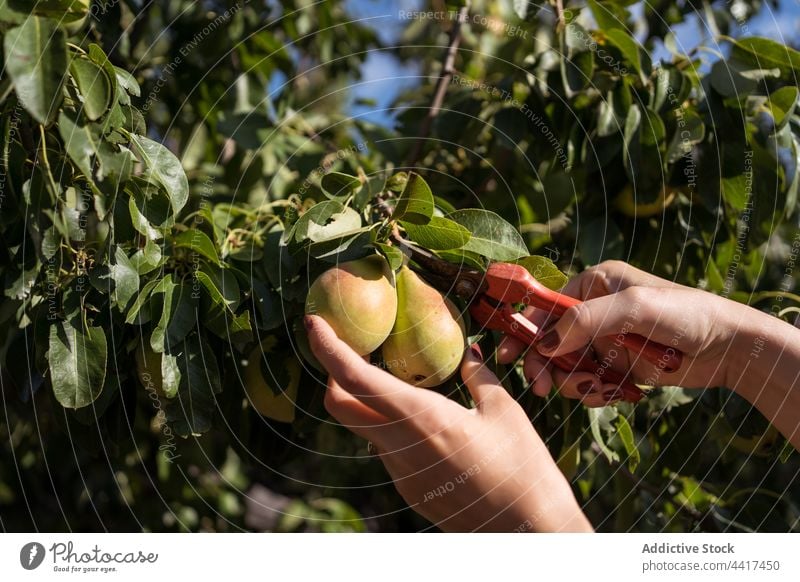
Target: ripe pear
x,y
277,405
428,337
358,300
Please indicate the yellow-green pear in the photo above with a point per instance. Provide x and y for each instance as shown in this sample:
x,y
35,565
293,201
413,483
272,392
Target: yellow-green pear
x,y
428,337
358,300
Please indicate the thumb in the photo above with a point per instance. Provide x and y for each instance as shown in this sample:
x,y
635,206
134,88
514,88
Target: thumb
x,y
609,315
482,384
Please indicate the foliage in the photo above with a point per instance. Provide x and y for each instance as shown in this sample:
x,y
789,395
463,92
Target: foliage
x,y
154,197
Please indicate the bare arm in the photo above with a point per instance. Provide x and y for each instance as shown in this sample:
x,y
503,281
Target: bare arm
x,y
724,343
766,371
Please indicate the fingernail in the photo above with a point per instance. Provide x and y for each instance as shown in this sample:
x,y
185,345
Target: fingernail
x,y
475,350
308,322
610,395
586,387
549,341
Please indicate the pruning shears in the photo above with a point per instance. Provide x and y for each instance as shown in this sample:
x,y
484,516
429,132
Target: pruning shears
x,y
493,297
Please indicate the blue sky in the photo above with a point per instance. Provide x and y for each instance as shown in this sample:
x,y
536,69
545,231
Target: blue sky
x,y
383,77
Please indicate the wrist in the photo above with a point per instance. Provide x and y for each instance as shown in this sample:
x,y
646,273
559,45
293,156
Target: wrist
x,y
556,512
759,341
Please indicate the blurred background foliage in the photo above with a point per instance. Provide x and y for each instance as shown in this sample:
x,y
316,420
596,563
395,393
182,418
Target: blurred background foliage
x,y
656,133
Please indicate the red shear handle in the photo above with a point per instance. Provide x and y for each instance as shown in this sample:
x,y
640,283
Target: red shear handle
x,y
509,283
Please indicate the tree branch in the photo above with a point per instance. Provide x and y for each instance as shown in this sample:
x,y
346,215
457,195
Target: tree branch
x,y
441,87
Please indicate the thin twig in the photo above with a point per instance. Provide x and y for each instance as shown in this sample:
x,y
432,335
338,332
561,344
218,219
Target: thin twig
x,y
441,87
560,21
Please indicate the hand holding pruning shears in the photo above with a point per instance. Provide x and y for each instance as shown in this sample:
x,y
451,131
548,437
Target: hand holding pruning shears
x,y
493,297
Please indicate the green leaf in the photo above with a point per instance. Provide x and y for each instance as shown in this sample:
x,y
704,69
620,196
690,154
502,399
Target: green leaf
x,y
163,168
150,208
148,259
629,48
416,202
94,86
125,277
764,53
653,130
463,258
221,286
178,316
267,307
198,242
577,71
393,255
666,398
342,223
346,247
338,186
234,328
440,234
191,411
608,122
127,82
80,141
782,104
625,434
631,152
324,221
608,15
170,374
690,130
492,237
10,14
165,287
544,270
36,60
66,11
116,165
735,176
143,296
600,420
729,80
77,360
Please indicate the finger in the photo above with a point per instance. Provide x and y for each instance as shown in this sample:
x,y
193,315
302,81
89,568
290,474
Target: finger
x,y
610,394
577,385
632,310
374,387
482,384
621,275
510,349
611,277
351,412
537,373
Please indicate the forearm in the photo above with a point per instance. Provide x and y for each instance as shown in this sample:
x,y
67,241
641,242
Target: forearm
x,y
766,370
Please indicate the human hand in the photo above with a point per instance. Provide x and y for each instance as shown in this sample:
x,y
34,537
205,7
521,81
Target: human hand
x,y
620,299
480,469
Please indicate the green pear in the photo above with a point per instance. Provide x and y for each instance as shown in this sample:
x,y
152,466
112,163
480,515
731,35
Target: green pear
x,y
358,300
428,337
